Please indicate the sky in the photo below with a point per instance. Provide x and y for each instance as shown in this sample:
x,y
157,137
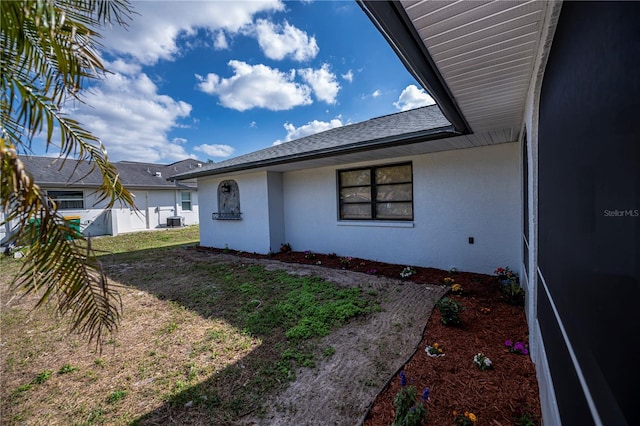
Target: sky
x,y
216,79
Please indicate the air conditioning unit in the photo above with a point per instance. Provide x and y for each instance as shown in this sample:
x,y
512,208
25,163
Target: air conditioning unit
x,y
175,221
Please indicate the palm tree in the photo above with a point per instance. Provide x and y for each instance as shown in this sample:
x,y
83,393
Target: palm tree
x,y
49,52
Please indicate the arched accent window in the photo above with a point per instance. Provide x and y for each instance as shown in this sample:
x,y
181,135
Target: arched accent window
x,y
228,201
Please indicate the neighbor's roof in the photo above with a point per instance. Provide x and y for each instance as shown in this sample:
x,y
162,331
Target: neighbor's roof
x,y
47,171
412,126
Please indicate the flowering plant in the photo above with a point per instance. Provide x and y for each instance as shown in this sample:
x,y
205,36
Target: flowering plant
x,y
505,273
372,271
434,350
517,347
308,254
345,262
285,248
482,362
448,281
407,272
409,412
456,289
466,419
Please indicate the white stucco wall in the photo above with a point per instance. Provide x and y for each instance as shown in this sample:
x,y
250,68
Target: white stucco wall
x,y
457,194
249,234
154,205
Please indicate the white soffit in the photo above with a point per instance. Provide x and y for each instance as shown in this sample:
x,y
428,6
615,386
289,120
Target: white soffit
x,y
486,52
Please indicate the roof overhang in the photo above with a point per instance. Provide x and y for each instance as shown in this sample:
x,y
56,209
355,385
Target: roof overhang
x,y
476,58
342,154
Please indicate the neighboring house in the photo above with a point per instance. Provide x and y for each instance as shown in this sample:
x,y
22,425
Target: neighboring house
x,y
538,168
159,199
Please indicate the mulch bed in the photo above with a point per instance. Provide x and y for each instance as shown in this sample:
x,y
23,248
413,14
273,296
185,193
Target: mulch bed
x,y
496,396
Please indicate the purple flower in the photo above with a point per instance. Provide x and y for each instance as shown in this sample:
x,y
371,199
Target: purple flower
x,y
518,346
525,351
425,394
403,379
508,343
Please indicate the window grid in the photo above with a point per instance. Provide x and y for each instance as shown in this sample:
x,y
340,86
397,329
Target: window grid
x,y
186,200
373,186
67,200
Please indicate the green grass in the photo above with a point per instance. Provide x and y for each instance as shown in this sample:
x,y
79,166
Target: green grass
x,y
136,241
218,337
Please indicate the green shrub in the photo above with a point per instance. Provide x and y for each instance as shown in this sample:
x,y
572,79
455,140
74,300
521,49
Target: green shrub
x,y
450,311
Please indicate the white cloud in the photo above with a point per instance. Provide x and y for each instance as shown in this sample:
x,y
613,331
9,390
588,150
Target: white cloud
x,y
132,119
310,128
323,82
412,97
348,76
220,41
253,124
256,86
215,150
152,33
376,93
281,41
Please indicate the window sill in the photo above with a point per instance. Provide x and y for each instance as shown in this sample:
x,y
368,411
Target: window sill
x,y
376,224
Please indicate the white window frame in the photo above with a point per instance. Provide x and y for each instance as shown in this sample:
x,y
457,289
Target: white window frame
x,y
62,199
183,201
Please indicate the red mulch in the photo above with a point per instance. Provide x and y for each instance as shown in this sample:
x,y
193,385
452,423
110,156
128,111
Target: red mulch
x,y
495,395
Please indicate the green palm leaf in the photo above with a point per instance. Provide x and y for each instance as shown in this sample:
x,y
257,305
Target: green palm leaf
x,y
48,53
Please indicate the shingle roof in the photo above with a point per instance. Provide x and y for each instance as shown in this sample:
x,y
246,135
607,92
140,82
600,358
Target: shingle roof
x,y
367,135
49,171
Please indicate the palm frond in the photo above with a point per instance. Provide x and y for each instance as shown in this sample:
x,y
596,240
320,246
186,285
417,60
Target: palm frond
x,y
58,263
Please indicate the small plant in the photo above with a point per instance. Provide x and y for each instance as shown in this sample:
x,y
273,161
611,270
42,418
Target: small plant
x,y
457,289
523,414
309,254
505,273
512,293
328,351
332,256
409,411
434,350
116,395
482,362
67,368
42,377
517,347
449,310
345,262
285,248
464,419
453,271
372,271
226,249
407,272
449,281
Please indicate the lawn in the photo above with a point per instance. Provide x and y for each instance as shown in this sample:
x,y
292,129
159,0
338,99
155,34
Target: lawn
x,y
201,341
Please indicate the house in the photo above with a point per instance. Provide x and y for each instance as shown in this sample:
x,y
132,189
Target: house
x,y
532,160
159,199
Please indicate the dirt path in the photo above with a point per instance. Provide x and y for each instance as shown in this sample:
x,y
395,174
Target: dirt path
x,y
367,352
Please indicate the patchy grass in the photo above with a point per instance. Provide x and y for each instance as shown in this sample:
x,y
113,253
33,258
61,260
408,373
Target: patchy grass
x,y
146,240
201,341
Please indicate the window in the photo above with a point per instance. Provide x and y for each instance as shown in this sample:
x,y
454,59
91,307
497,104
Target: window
x,y
186,200
67,200
376,193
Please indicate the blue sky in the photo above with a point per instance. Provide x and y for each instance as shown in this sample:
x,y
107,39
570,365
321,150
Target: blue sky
x,y
217,79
